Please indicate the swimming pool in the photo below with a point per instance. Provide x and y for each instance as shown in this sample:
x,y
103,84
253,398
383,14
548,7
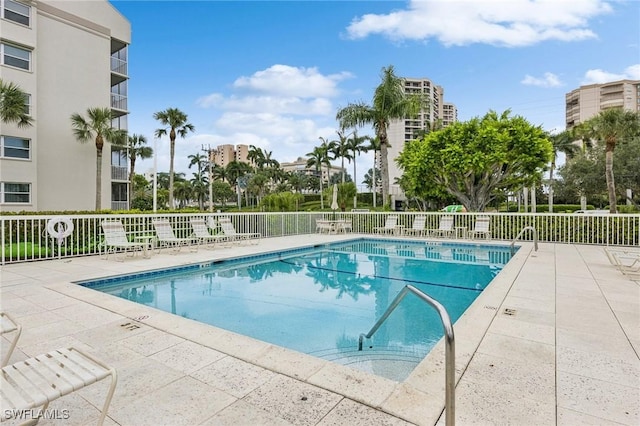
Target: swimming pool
x,y
318,300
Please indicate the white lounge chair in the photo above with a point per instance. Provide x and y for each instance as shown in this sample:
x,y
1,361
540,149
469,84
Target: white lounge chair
x,y
202,235
230,231
445,229
390,226
418,227
626,260
481,228
166,237
7,326
35,382
115,239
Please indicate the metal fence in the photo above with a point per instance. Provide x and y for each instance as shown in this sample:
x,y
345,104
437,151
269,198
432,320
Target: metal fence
x,y
25,237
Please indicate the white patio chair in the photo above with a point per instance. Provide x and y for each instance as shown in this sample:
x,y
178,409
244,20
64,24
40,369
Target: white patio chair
x,y
626,260
230,231
202,235
7,326
445,229
35,382
390,226
481,228
115,239
167,239
323,225
343,225
418,227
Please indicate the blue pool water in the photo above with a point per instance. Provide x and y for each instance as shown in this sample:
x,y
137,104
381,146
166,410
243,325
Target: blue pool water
x,y
319,300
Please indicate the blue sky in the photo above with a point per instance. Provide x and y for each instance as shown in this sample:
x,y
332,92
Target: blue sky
x,y
274,73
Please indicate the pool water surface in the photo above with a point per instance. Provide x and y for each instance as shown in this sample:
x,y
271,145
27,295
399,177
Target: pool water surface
x,y
319,300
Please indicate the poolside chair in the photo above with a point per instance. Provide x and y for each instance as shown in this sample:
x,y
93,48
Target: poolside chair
x,y
167,239
115,239
7,326
418,227
230,231
481,228
343,225
445,229
35,382
626,260
390,226
323,226
202,235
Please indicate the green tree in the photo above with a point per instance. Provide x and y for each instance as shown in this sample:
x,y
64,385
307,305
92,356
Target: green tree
x,y
135,147
473,160
356,144
611,126
340,149
96,126
14,105
175,124
374,145
222,192
316,159
560,142
390,102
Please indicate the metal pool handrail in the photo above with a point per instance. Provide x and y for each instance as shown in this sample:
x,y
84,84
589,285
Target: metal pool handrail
x,y
450,348
522,231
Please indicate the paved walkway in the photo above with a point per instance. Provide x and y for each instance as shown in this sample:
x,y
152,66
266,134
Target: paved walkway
x,y
554,340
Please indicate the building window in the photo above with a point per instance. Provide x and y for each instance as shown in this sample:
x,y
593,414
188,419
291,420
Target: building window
x,y
16,12
15,56
119,192
27,104
13,147
15,192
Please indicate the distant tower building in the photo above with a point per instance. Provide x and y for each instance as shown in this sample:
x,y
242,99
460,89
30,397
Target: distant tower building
x,y
225,154
437,114
587,101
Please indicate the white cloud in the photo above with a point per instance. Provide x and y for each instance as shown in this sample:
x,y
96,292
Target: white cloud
x,y
287,81
548,80
273,104
599,76
505,23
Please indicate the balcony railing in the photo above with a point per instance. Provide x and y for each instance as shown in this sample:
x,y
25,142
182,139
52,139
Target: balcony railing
x,y
118,101
119,173
25,238
119,205
119,66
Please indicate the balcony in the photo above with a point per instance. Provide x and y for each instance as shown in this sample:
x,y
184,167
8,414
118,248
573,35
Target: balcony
x,y
119,173
118,66
118,102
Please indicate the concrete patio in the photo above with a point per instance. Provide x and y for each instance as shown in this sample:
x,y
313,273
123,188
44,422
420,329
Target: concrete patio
x,y
553,340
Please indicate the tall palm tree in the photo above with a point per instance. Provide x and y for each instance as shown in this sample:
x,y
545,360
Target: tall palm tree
x,y
327,147
220,173
198,160
374,145
14,105
135,147
390,102
341,149
316,158
96,126
356,144
612,126
256,156
561,142
176,124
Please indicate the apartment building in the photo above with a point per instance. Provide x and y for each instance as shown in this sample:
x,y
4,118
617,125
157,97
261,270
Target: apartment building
x,y
225,154
437,113
67,56
300,166
587,101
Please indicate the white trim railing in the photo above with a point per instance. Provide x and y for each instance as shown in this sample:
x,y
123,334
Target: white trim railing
x,y
24,237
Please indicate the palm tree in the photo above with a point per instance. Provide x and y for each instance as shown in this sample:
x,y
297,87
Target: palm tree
x,y
341,149
197,160
256,156
561,142
327,147
97,125
374,145
356,144
175,122
134,148
316,159
611,126
220,173
390,102
14,107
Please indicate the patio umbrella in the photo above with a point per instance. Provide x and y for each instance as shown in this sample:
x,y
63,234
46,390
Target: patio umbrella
x,y
334,201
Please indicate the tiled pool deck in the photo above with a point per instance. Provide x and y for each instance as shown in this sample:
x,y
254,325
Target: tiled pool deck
x,y
567,355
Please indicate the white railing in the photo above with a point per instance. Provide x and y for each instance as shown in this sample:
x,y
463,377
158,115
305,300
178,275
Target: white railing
x,y
24,237
119,173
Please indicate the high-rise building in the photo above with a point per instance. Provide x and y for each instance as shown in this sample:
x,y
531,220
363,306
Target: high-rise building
x,y
67,56
225,154
587,101
436,114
